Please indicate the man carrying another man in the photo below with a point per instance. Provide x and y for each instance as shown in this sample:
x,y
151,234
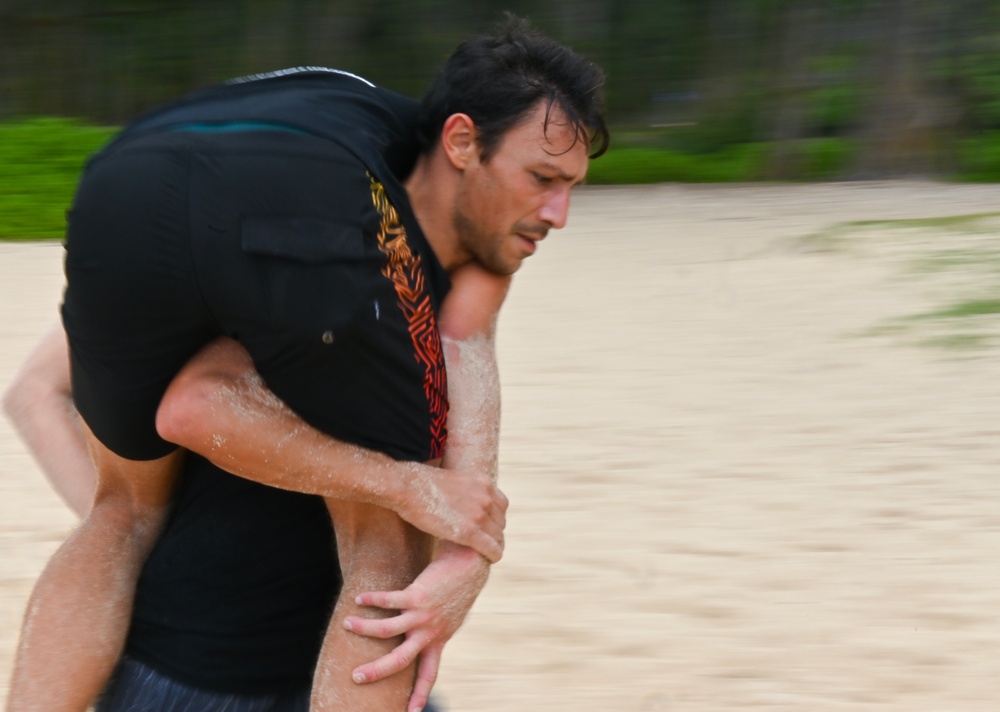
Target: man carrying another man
x,y
270,211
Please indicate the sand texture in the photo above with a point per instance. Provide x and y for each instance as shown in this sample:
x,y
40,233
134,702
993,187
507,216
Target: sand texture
x,y
743,476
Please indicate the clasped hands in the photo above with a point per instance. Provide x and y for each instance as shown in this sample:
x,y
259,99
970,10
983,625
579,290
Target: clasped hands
x,y
434,606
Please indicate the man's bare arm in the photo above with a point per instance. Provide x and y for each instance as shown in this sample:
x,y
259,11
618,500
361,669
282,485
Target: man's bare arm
x,y
435,605
218,407
213,404
39,403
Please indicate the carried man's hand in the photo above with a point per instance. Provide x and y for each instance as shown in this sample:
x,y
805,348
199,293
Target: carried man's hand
x,y
460,506
431,610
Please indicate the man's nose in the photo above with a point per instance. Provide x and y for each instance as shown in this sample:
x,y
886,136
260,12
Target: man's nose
x,y
555,211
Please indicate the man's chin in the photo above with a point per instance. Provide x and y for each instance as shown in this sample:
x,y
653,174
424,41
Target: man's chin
x,y
502,268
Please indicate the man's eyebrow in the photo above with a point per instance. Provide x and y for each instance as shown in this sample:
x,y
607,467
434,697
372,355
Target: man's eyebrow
x,y
552,168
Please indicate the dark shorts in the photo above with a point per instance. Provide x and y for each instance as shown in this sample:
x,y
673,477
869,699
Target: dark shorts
x,y
178,237
136,687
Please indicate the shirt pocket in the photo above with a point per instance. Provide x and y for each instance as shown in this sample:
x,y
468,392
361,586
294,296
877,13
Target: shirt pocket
x,y
314,272
303,239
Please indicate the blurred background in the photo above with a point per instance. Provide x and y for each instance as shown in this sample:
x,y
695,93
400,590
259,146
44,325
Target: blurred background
x,y
698,90
910,80
750,432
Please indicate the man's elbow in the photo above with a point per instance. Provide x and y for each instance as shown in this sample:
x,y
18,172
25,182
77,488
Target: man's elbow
x,y
184,413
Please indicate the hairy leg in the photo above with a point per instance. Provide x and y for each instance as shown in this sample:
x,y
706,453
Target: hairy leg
x,y
79,612
378,551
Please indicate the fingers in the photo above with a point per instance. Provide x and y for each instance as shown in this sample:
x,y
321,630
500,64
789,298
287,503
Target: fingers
x,y
498,513
381,627
480,523
499,505
392,600
398,659
427,672
504,502
487,538
472,510
490,548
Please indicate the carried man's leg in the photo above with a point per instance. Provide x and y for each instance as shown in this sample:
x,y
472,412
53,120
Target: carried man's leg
x,y
378,551
79,612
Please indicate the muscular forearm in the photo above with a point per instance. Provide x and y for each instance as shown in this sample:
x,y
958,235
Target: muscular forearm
x,y
219,408
474,396
474,416
473,419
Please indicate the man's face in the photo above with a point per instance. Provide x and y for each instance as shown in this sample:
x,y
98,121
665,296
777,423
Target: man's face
x,y
508,203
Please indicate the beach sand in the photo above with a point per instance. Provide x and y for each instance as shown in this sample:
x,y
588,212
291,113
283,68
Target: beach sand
x,y
741,475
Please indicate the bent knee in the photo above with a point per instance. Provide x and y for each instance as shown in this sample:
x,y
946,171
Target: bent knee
x,y
120,515
133,502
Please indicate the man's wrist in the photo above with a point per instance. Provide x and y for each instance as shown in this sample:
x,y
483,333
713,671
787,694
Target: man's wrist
x,y
388,483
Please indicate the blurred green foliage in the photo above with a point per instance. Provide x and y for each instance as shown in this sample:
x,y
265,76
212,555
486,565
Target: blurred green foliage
x,y
40,162
672,156
749,90
979,158
735,163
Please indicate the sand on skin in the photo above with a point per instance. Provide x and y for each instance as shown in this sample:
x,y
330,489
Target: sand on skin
x,y
726,493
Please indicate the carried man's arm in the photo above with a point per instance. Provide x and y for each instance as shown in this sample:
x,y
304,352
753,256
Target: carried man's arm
x,y
219,407
39,403
460,505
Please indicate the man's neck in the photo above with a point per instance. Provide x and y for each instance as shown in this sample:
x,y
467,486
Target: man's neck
x,y
431,188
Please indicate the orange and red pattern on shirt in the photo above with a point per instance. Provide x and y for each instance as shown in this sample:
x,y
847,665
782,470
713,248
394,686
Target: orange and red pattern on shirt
x,y
404,269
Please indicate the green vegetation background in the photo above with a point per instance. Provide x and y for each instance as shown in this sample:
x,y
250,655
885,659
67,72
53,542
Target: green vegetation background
x,y
41,159
40,162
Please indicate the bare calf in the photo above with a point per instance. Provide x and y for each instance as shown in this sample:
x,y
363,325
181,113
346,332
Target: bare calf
x,y
378,551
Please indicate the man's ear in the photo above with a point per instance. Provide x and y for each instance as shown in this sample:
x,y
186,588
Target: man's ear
x,y
459,139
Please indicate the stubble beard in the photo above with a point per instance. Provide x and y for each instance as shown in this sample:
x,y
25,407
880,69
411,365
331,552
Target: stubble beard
x,y
485,248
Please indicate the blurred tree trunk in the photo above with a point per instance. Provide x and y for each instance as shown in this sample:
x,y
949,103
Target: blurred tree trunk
x,y
972,56
784,111
729,78
908,122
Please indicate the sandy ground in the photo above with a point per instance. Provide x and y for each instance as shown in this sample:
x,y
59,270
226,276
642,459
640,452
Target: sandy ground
x,y
741,479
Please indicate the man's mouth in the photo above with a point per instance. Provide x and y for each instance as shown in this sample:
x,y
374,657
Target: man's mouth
x,y
528,243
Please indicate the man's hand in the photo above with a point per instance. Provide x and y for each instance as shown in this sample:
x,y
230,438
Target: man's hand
x,y
431,610
461,506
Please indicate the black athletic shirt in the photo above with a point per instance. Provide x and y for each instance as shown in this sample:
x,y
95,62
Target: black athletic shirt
x,y
236,594
375,124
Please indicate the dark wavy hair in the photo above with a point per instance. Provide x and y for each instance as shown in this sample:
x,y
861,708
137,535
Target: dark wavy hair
x,y
497,79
